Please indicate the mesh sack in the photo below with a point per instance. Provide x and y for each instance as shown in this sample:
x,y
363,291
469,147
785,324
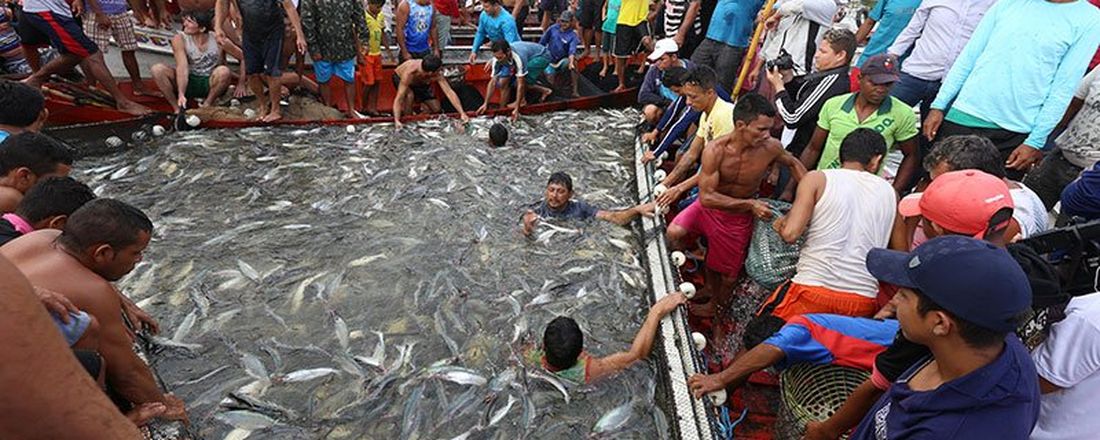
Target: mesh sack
x,y
813,393
771,261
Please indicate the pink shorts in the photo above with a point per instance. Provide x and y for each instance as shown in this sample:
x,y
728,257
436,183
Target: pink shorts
x,y
727,234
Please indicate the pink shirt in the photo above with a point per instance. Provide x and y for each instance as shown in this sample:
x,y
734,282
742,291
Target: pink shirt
x,y
21,225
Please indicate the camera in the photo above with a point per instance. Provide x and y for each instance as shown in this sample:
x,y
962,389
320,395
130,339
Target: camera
x,y
1074,251
783,62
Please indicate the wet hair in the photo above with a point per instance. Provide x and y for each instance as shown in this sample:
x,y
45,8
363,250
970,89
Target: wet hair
x,y
205,19
675,76
376,2
562,179
20,104
104,221
862,145
966,152
39,153
431,63
972,334
703,77
759,329
562,342
498,135
751,106
53,196
841,40
501,46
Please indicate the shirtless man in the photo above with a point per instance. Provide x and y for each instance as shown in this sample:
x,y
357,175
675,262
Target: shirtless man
x,y
24,159
101,243
417,76
733,167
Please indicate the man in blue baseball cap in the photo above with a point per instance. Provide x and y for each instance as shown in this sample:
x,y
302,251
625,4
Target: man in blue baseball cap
x,y
962,298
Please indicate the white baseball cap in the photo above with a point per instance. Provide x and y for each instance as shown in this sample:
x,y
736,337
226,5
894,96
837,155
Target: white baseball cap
x,y
663,46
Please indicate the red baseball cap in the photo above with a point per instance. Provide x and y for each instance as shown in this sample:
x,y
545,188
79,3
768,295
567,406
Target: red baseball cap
x,y
960,201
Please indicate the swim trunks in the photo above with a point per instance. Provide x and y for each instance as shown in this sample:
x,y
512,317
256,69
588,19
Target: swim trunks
x,y
63,33
262,53
792,299
727,235
74,330
198,86
370,72
345,70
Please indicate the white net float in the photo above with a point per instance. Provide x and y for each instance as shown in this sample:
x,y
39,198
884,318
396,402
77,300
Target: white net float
x,y
114,142
659,189
659,175
158,130
350,129
688,289
717,398
193,121
678,258
699,340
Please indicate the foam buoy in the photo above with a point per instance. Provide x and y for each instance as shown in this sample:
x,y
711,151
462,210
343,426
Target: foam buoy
x,y
659,175
234,102
678,258
717,398
114,142
193,121
659,189
158,130
664,156
350,129
659,209
688,289
699,340
138,136
249,113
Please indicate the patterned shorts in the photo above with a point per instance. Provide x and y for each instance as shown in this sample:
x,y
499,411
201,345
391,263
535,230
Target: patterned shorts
x,y
122,29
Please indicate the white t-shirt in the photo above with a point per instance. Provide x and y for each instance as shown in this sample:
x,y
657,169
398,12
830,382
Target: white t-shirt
x,y
59,7
1080,143
1070,359
855,214
1030,212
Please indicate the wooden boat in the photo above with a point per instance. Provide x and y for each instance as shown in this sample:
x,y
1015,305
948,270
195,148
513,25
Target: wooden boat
x,y
72,103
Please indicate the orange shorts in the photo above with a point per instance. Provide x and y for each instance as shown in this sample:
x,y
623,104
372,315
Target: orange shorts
x,y
793,299
371,70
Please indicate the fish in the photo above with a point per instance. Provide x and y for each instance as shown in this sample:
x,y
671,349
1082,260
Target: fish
x,y
306,375
248,271
246,420
363,261
615,419
411,416
185,327
579,270
439,203
201,378
254,367
619,244
341,328
378,357
441,330
459,375
553,381
499,414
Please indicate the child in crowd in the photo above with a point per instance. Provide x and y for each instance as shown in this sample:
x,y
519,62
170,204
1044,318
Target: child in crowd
x,y
563,346
12,60
334,46
610,20
104,19
562,41
370,72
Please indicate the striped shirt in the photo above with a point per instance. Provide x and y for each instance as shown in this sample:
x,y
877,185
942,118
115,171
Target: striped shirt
x,y
674,17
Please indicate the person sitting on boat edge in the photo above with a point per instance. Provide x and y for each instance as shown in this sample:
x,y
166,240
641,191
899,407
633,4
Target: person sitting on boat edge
x,y
24,159
559,204
818,339
653,94
47,205
525,62
563,354
417,76
561,40
199,72
22,108
677,119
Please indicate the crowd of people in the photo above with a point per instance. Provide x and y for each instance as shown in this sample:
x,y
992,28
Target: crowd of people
x,y
901,179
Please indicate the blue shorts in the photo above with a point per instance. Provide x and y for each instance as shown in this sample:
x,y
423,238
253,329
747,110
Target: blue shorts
x,y
74,330
344,70
263,53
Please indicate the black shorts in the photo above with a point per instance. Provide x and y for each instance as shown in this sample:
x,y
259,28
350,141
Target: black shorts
x,y
263,52
63,33
628,39
421,92
554,7
521,17
589,14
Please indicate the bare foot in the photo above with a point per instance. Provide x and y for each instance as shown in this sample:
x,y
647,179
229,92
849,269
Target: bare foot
x,y
544,95
352,114
131,107
603,73
140,90
272,117
620,88
262,112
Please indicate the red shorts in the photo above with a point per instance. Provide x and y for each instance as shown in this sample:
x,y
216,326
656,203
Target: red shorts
x,y
727,234
371,70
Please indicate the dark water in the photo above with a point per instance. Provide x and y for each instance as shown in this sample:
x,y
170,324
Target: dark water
x,y
282,256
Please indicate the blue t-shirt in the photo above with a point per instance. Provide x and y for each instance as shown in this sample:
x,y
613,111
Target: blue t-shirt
x,y
1082,197
997,401
575,209
560,43
418,27
4,135
522,54
501,27
110,7
892,16
822,339
732,22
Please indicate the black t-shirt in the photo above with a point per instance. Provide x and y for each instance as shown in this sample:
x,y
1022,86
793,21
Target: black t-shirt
x,y
261,17
7,232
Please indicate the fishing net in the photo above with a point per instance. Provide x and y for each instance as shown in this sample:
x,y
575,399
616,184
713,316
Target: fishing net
x,y
87,140
771,261
813,393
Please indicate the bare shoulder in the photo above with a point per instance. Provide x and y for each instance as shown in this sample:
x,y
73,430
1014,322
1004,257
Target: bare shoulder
x,y
9,199
774,146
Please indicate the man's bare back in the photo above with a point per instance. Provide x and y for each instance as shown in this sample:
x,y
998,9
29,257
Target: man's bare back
x,y
412,74
48,266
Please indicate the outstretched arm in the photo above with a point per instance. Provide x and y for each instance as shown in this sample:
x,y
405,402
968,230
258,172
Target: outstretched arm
x,y
793,225
760,357
643,341
399,101
625,216
452,97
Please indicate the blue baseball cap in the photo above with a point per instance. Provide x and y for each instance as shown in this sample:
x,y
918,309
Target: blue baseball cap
x,y
970,278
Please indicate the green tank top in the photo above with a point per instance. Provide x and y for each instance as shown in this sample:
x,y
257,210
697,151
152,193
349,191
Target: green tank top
x,y
577,374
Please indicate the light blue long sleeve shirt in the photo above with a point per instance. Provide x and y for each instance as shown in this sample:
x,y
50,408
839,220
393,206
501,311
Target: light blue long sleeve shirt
x,y
1022,64
501,27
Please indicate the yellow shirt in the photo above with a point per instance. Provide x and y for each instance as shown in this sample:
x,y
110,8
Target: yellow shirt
x,y
717,122
633,12
374,28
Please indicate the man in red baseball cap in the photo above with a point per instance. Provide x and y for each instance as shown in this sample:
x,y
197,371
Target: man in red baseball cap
x,y
966,202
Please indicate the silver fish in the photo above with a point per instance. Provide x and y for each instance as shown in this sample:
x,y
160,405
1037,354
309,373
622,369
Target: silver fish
x,y
306,375
553,381
247,420
499,414
615,419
